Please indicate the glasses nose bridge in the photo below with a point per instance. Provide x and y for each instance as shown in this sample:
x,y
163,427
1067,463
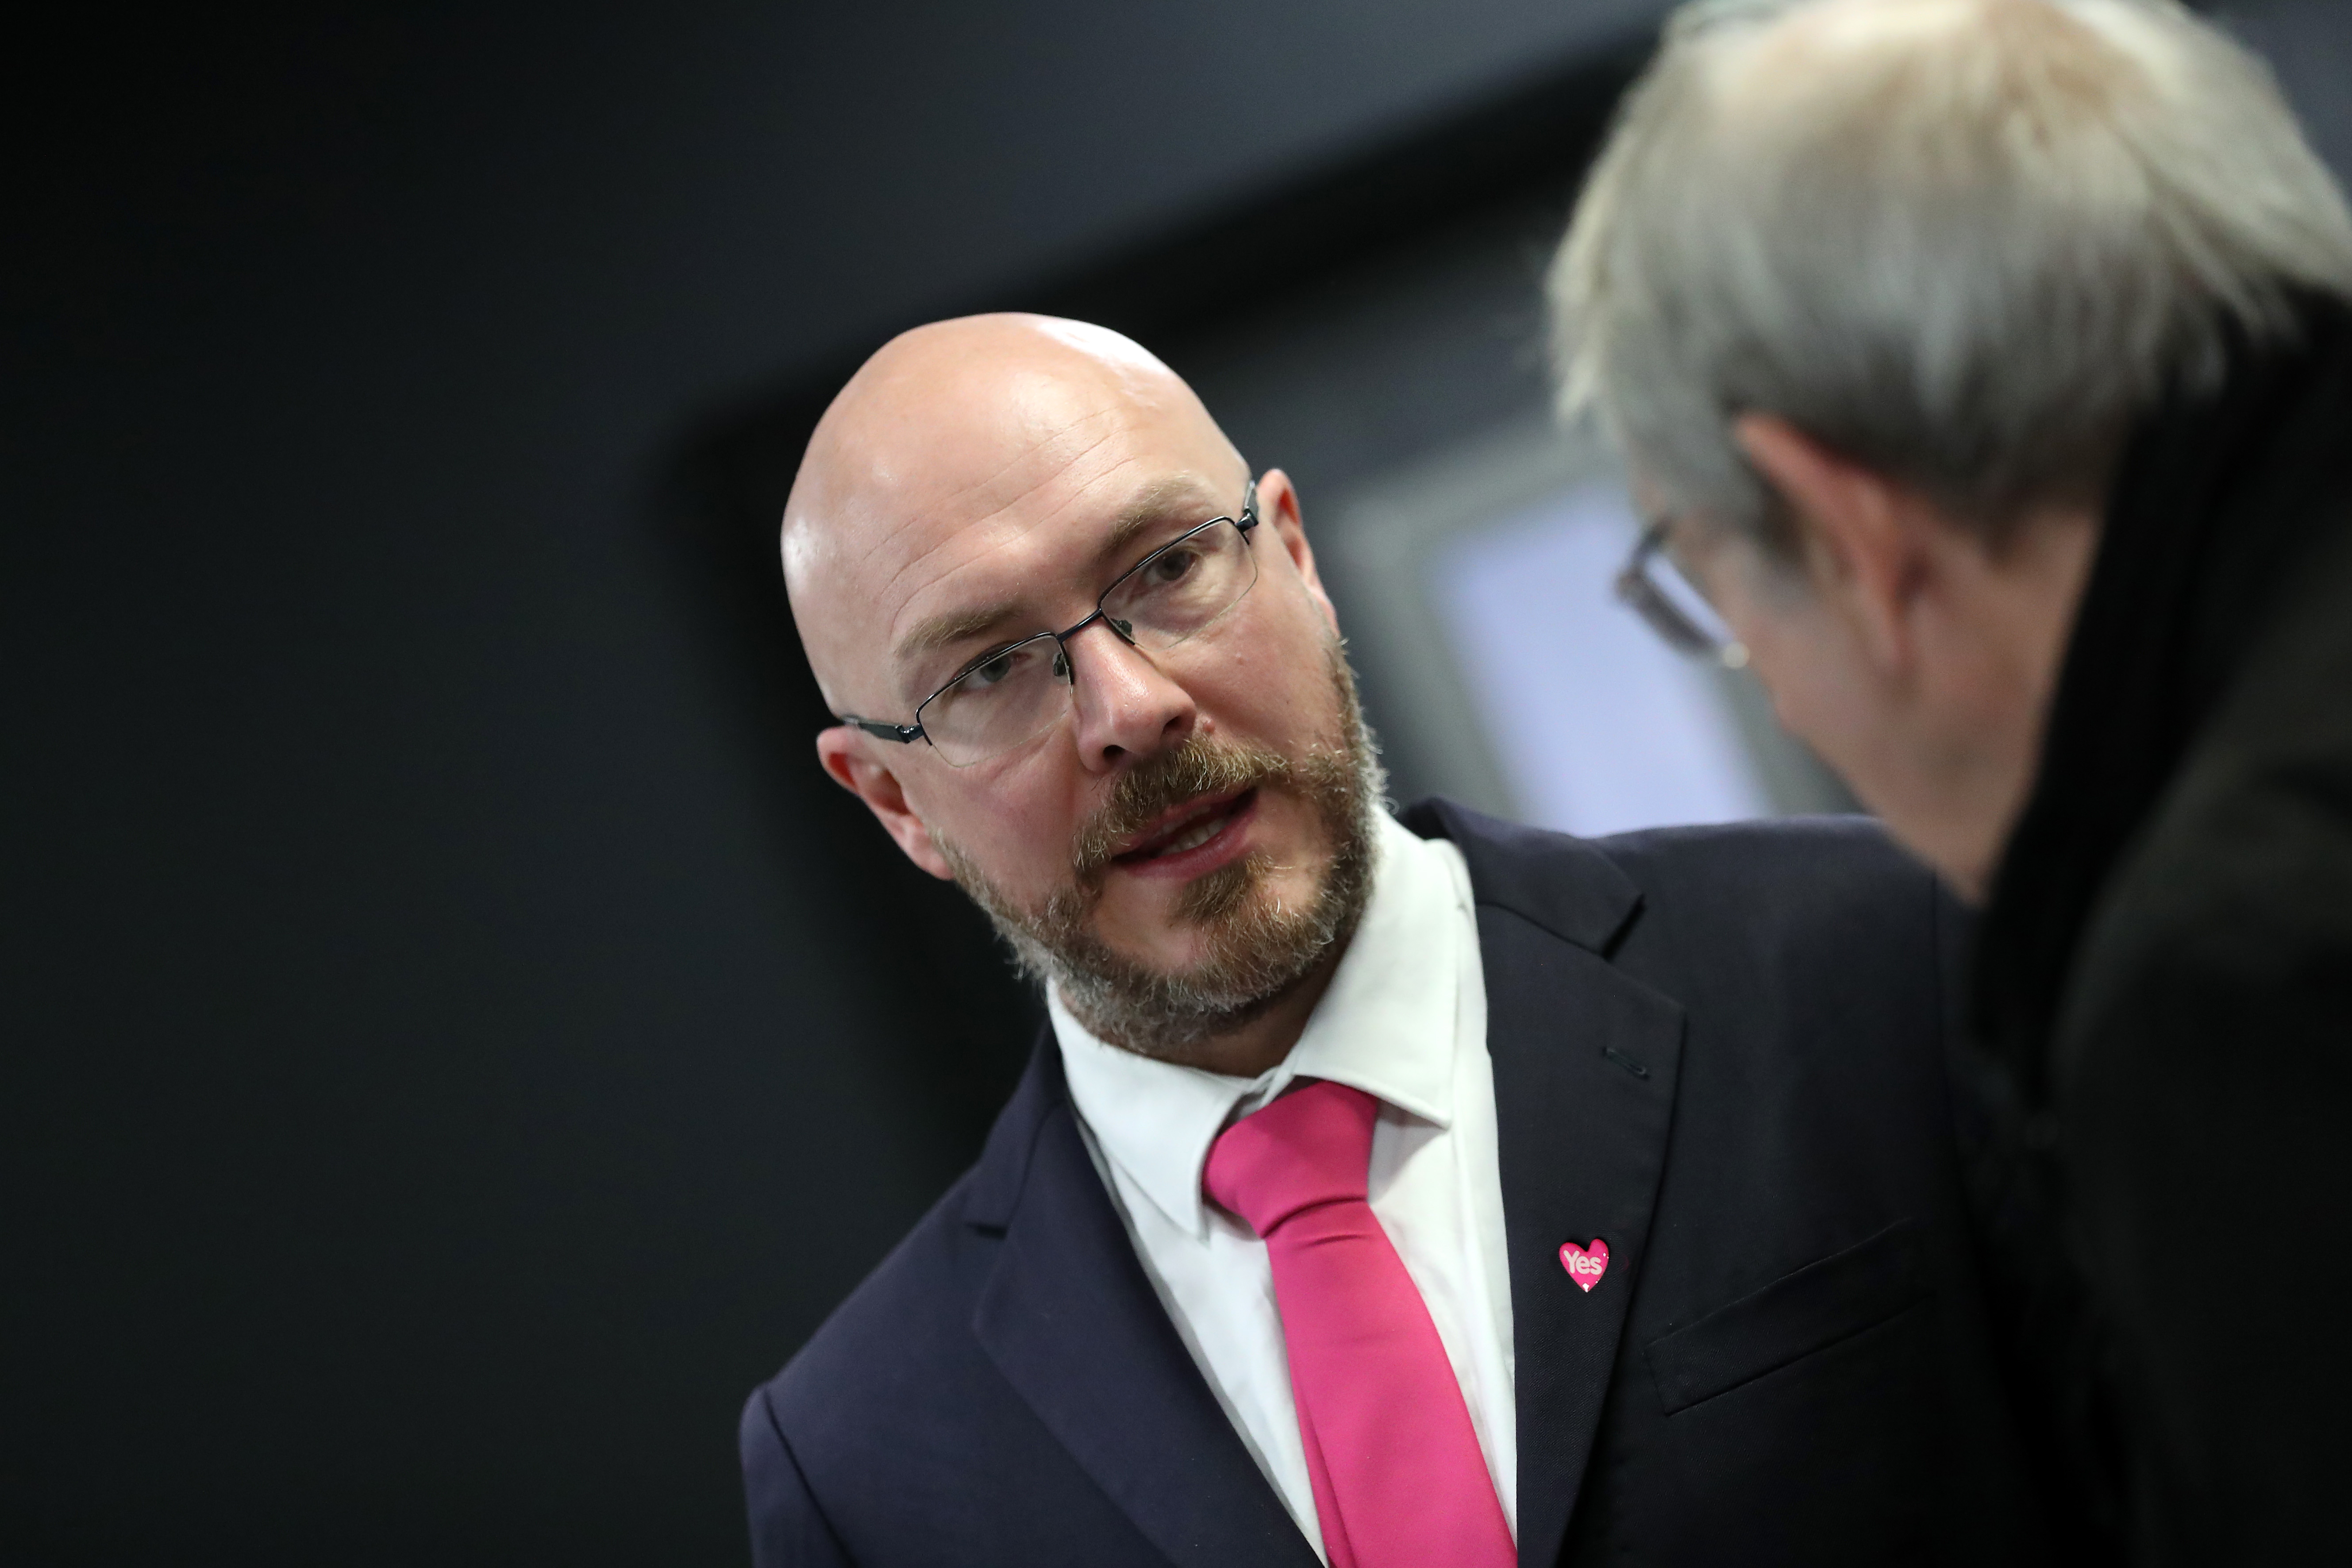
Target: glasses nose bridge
x,y
1067,664
1123,630
1132,702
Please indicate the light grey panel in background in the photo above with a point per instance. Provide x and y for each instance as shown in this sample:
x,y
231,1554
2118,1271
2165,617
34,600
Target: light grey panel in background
x,y
1477,583
1597,725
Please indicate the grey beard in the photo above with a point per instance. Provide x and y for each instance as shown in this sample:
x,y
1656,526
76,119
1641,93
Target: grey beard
x,y
1259,947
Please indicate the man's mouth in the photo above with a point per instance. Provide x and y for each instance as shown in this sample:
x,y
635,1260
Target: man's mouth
x,y
1188,828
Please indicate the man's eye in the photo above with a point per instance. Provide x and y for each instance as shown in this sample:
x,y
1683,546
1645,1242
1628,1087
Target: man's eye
x,y
1018,662
1171,566
980,677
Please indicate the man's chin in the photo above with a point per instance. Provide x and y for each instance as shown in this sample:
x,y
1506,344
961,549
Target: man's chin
x,y
1251,931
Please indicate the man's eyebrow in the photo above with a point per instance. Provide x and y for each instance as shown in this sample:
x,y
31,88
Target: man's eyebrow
x,y
942,631
1170,500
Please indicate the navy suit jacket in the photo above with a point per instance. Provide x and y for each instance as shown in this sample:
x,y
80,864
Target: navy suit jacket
x,y
1719,1050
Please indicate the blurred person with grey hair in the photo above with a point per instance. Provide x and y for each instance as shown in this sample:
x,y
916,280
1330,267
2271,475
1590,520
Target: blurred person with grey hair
x,y
1985,367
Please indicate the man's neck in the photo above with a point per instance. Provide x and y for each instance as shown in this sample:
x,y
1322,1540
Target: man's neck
x,y
1265,1042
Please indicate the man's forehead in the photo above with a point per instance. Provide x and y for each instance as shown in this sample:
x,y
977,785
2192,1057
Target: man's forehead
x,y
983,442
974,462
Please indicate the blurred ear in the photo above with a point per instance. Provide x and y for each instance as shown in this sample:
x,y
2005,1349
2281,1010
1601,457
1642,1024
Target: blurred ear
x,y
1277,505
1866,539
847,756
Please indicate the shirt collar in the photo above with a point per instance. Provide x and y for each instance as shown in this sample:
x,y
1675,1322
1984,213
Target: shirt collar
x,y
1386,1026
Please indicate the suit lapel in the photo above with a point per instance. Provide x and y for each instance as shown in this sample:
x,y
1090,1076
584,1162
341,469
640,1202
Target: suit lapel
x,y
1070,1319
1585,1062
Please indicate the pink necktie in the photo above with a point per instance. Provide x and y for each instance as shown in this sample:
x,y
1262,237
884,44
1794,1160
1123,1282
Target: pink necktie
x,y
1398,1480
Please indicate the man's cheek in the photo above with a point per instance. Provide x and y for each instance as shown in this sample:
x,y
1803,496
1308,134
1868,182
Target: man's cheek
x,y
1797,701
1278,702
1026,857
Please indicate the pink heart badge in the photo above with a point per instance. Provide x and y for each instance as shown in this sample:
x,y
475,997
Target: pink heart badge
x,y
1585,1264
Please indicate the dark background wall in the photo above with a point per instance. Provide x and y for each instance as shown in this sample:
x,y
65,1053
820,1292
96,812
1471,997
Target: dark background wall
x,y
451,1045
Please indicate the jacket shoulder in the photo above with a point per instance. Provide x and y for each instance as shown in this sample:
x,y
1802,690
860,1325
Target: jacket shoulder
x,y
788,1526
1746,873
1823,909
1749,917
903,1333
1786,864
920,1294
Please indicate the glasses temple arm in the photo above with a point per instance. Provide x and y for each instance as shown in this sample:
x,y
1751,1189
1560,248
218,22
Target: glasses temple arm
x,y
904,734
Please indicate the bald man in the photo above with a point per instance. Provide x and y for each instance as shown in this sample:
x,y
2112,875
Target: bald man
x,y
1382,1192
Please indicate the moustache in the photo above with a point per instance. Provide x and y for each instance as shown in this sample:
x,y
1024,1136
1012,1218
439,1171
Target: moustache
x,y
1148,792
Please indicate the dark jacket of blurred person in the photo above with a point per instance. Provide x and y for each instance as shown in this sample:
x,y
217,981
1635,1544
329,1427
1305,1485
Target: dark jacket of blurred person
x,y
1986,364
2164,972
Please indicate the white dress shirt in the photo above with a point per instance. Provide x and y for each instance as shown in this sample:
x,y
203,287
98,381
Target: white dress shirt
x,y
1404,1020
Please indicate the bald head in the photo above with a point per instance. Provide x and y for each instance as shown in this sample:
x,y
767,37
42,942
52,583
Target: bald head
x,y
951,466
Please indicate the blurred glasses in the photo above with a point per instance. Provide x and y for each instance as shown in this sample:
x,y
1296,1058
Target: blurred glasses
x,y
1655,587
1014,694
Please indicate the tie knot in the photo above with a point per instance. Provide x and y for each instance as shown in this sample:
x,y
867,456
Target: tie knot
x,y
1312,1146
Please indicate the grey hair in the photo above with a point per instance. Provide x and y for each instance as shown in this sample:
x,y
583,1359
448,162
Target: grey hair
x,y
1963,242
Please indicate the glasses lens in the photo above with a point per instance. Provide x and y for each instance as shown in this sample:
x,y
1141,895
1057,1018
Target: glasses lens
x,y
1178,591
1008,697
1674,607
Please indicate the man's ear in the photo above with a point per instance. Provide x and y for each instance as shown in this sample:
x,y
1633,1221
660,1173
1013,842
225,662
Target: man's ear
x,y
1277,504
845,754
1860,531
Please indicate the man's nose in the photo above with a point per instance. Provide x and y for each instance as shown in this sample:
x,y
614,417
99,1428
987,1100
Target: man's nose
x,y
1127,707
